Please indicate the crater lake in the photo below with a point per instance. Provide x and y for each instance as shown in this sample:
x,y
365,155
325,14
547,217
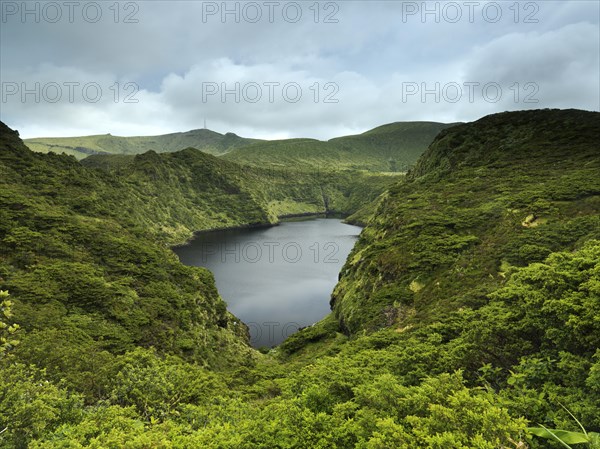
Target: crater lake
x,y
275,279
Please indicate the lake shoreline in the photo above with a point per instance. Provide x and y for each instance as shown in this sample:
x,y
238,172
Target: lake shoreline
x,y
275,278
281,218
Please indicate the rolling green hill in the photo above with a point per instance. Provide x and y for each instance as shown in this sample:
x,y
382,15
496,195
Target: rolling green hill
x,y
398,144
389,148
467,311
81,147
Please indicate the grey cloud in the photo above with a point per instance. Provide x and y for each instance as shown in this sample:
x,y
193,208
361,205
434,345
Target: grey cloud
x,y
370,54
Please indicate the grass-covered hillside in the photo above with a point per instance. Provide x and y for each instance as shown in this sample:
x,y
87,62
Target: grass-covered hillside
x,y
465,317
503,192
189,190
389,148
81,147
88,279
485,260
89,286
397,146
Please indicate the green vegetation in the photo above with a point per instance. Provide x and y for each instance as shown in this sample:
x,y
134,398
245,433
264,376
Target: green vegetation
x,y
389,148
88,278
81,147
566,437
178,193
467,310
502,192
7,330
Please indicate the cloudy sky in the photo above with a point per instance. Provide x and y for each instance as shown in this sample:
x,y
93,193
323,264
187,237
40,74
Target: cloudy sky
x,y
278,69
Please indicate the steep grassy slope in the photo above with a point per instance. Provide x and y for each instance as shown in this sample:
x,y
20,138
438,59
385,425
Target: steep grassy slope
x,y
80,147
397,146
502,192
175,194
485,260
190,190
86,274
389,148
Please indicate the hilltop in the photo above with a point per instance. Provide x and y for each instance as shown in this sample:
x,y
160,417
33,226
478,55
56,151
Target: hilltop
x,y
388,148
399,144
203,139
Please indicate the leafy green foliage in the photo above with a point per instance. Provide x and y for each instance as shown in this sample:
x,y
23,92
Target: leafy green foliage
x,y
467,310
31,407
88,276
565,437
7,329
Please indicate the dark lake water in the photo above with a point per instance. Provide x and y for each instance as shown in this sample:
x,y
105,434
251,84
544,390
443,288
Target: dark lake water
x,y
275,279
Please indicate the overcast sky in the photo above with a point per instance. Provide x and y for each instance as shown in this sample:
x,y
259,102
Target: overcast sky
x,y
278,69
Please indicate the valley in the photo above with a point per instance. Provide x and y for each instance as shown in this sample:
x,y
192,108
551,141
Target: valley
x,y
465,313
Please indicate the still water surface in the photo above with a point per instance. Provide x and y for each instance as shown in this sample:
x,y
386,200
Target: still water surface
x,y
275,279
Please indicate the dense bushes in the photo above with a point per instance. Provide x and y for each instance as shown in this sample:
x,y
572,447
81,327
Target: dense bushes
x,y
467,311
